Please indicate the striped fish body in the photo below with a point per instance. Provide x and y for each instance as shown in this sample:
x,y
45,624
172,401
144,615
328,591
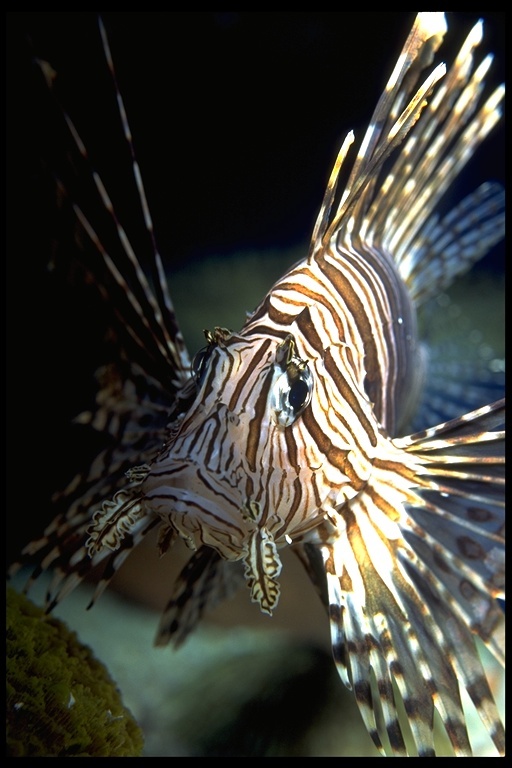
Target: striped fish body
x,y
284,429
292,431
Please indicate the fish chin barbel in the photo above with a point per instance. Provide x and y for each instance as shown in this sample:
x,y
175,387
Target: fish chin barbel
x,y
286,432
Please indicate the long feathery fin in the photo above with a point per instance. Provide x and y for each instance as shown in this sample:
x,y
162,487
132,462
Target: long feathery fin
x,y
163,328
447,248
205,581
454,123
409,592
161,281
428,28
423,41
396,136
322,221
439,131
121,282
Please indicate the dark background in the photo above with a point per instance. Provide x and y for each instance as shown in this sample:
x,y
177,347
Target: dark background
x,y
236,117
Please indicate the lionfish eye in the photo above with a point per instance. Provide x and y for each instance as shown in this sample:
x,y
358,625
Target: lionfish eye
x,y
291,393
299,395
200,363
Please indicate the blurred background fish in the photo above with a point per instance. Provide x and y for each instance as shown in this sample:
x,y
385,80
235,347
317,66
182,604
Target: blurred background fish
x,y
280,157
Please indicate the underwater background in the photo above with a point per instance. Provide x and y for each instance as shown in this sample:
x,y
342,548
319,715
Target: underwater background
x,y
236,118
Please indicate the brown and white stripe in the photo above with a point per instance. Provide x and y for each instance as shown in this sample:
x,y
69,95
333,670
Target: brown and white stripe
x,y
291,432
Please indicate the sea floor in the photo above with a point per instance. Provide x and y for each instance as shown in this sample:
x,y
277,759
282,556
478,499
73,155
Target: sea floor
x,y
231,689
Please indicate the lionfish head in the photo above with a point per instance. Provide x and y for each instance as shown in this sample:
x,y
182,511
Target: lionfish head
x,y
231,467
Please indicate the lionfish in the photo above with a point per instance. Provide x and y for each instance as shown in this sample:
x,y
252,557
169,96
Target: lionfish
x,y
292,431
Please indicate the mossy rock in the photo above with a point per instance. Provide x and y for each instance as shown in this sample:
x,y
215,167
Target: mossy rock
x,y
61,701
